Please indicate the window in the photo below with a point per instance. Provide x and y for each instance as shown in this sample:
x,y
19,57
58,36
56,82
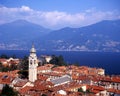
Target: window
x,y
31,62
34,61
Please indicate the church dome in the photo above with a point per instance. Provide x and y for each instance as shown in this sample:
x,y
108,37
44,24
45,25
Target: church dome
x,y
33,50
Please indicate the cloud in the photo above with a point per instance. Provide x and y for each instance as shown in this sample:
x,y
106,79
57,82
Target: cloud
x,y
56,19
25,8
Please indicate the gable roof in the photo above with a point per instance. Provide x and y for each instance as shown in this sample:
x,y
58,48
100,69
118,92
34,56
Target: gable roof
x,y
62,80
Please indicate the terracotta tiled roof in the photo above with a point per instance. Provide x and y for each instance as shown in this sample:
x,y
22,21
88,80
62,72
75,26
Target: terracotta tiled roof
x,y
54,74
42,85
40,88
113,91
25,90
59,69
95,91
20,83
6,79
49,65
2,60
111,79
97,87
41,77
43,68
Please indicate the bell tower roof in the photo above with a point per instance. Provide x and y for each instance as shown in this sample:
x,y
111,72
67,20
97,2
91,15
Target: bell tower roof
x,y
33,50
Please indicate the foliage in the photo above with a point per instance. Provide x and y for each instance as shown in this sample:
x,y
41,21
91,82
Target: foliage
x,y
58,60
76,64
88,91
23,67
0,66
44,95
13,67
8,91
23,74
7,68
4,56
81,90
24,63
4,69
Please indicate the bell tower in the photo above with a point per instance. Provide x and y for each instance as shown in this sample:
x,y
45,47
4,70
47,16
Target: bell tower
x,y
33,65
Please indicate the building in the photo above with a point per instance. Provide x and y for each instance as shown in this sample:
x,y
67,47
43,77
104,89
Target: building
x,y
9,62
47,58
51,80
62,80
33,65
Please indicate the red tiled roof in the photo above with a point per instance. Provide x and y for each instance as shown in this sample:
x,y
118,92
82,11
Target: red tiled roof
x,y
20,83
2,60
97,87
25,89
41,77
6,79
113,91
111,79
43,68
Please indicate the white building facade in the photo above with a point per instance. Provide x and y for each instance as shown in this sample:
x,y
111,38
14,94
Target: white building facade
x,y
33,65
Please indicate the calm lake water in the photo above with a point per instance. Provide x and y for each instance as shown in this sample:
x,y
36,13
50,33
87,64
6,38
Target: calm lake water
x,y
107,60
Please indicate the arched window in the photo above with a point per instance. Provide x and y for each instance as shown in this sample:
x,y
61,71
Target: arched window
x,y
31,62
34,61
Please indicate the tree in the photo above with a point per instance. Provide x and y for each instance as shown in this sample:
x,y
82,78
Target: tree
x,y
76,64
23,74
1,66
12,67
61,61
4,56
5,69
24,63
80,90
8,91
44,95
58,60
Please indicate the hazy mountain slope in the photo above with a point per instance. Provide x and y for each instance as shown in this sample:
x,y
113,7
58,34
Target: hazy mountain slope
x,y
102,36
20,32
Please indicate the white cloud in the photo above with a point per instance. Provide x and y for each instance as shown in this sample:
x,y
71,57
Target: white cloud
x,y
56,19
25,8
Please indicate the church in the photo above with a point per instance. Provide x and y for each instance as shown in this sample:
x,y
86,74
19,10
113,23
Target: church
x,y
33,65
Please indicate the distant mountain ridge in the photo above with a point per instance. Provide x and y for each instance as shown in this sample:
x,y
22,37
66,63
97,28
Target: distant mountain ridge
x,y
20,33
102,36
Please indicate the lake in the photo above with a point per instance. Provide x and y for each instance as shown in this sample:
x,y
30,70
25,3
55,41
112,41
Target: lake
x,y
108,60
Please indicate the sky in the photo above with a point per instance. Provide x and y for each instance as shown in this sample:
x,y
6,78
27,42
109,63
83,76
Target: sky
x,y
56,14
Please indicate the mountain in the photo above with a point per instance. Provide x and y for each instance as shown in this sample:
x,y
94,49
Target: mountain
x,y
102,36
19,34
